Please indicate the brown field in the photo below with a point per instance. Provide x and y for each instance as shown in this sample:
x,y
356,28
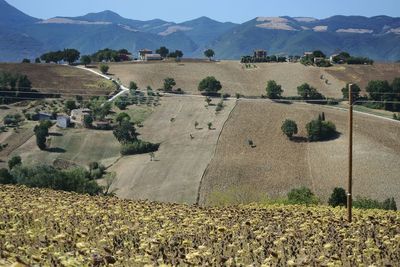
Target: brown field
x,y
233,76
176,173
276,165
361,74
52,78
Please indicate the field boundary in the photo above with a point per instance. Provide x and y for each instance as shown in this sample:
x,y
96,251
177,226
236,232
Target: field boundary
x,y
215,151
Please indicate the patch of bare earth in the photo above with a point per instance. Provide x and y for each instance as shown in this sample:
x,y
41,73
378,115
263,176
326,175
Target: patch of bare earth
x,y
276,165
235,78
176,172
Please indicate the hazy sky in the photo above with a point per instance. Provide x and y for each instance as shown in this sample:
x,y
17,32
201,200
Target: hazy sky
x,y
223,10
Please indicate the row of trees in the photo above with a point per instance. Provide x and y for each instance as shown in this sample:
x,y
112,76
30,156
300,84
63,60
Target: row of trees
x,y
273,58
67,55
15,87
165,52
305,91
345,57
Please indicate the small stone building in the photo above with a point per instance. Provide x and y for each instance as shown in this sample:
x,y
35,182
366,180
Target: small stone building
x,y
63,121
260,53
151,57
142,53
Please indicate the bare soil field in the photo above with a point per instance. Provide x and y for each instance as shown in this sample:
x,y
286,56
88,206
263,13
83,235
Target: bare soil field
x,y
235,78
276,165
53,78
362,74
179,164
80,146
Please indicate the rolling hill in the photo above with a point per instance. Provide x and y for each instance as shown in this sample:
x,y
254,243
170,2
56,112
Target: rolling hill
x,y
24,36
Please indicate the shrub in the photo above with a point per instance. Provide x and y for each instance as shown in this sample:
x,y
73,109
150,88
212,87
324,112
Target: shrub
x,y
14,161
338,197
104,68
389,204
308,92
6,177
302,195
319,130
138,147
220,106
366,203
289,128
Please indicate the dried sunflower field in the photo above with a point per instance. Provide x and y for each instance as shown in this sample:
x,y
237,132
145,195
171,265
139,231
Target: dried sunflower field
x,y
48,228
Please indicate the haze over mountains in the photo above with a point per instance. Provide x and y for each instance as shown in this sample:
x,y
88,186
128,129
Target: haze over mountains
x,y
22,36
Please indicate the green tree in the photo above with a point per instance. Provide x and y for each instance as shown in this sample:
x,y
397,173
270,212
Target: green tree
x,y
121,102
319,53
71,55
125,132
14,161
26,60
210,85
163,51
6,177
133,86
338,197
70,104
308,92
41,135
87,121
209,53
86,60
389,204
104,68
123,117
302,195
319,130
289,128
37,60
208,100
355,91
379,90
209,125
169,83
274,90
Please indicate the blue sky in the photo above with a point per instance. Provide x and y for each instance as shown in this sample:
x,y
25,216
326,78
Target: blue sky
x,y
222,10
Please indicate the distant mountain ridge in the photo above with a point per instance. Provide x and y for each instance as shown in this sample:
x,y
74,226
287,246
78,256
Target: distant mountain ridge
x,y
23,36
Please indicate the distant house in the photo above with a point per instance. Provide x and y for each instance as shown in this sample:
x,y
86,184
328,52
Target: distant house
x,y
63,121
306,54
318,60
259,53
150,57
44,116
78,115
142,54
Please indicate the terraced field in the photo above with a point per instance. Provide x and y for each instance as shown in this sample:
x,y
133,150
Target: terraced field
x,y
43,227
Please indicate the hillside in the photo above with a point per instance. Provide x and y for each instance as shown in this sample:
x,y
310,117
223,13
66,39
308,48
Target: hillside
x,y
234,77
43,227
53,78
276,165
27,37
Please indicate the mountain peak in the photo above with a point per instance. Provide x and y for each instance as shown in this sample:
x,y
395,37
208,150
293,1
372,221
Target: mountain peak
x,y
11,15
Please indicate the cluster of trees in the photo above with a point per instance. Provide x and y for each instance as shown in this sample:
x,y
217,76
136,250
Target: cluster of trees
x,y
13,120
305,91
272,58
305,196
15,87
317,130
345,57
125,133
386,94
109,55
166,53
67,55
44,176
317,58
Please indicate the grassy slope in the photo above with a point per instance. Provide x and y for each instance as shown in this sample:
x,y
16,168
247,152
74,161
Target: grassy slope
x,y
277,165
44,227
233,76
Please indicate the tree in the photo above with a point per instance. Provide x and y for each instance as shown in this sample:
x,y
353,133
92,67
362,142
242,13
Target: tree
x,y
196,124
41,135
308,92
210,85
86,60
209,125
338,197
163,51
355,91
6,177
302,195
378,90
319,130
87,121
125,132
133,86
319,53
169,83
71,55
123,117
14,161
26,60
208,100
289,128
104,68
209,53
274,90
70,104
37,60
389,204
121,102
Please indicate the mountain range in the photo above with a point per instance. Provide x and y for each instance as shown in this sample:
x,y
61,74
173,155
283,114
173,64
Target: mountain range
x,y
23,36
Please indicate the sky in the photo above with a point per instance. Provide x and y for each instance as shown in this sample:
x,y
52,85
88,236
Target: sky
x,y
237,11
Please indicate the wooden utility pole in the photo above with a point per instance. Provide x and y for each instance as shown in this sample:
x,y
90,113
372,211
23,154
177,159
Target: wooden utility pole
x,y
350,178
